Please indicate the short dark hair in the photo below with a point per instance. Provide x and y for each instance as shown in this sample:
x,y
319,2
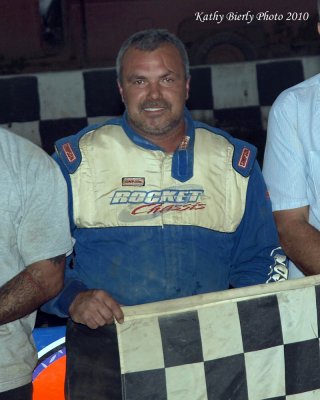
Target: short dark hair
x,y
149,40
318,7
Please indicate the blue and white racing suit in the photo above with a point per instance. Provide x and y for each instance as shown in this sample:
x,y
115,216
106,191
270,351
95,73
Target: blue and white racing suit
x,y
151,226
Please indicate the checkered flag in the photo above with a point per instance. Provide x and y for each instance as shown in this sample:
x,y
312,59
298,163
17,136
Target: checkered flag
x,y
255,343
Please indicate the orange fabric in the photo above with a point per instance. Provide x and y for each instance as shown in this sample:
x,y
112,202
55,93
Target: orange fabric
x,y
49,384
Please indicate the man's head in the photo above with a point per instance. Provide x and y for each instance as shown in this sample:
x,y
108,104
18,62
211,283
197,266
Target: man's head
x,y
153,79
150,40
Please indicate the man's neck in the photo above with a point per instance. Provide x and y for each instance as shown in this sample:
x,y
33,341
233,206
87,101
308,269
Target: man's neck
x,y
169,143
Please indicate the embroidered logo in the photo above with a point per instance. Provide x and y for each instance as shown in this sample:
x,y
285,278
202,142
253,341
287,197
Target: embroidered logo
x,y
133,181
173,196
137,204
244,157
69,152
184,143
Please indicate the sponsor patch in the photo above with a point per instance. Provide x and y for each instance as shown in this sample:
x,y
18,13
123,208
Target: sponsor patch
x,y
148,209
244,158
133,181
69,152
142,205
185,142
173,196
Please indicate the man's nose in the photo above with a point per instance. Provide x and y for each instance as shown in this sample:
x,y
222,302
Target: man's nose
x,y
154,90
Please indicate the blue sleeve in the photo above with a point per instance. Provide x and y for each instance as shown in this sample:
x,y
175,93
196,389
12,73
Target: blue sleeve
x,y
258,257
60,304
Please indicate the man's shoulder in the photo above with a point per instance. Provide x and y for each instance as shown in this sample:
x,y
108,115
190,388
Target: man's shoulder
x,y
303,91
312,82
68,150
10,139
18,151
244,153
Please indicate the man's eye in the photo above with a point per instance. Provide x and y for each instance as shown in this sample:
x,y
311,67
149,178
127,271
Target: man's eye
x,y
139,82
167,80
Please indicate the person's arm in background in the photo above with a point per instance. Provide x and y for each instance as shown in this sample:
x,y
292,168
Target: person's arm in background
x,y
29,289
299,239
285,171
41,237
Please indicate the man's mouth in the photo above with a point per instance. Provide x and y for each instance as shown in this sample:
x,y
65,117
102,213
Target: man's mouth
x,y
153,109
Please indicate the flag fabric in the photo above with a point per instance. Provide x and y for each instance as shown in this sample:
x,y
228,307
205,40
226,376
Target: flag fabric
x,y
255,343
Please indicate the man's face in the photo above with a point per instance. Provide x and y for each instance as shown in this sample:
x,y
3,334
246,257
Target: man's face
x,y
154,89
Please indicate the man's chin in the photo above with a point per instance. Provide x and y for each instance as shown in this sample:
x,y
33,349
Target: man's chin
x,y
151,130
154,127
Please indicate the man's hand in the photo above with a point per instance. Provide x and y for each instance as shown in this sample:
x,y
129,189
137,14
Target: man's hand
x,y
95,308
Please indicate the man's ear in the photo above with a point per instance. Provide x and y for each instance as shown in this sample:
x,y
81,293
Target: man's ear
x,y
318,26
187,87
120,89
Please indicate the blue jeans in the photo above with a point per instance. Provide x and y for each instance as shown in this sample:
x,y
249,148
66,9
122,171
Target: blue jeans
x,y
20,393
93,365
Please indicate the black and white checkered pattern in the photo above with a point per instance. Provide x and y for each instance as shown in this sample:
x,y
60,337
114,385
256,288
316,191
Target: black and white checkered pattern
x,y
257,343
234,97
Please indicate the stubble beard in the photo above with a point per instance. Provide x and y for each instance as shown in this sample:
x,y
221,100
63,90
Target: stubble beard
x,y
147,129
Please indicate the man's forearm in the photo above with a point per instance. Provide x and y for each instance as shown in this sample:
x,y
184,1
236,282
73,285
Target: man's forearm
x,y
32,287
301,242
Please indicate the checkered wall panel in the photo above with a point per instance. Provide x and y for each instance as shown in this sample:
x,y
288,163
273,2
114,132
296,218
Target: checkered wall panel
x,y
236,97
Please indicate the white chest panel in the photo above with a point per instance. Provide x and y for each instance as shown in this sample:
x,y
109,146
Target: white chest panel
x,y
121,184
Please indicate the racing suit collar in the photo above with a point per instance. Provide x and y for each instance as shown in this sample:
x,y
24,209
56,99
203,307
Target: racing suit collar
x,y
182,159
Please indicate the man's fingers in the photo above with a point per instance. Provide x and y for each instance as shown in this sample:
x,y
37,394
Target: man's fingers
x,y
118,313
95,308
114,308
98,319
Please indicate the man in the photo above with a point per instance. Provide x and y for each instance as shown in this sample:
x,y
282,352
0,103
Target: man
x,y
292,173
161,207
34,238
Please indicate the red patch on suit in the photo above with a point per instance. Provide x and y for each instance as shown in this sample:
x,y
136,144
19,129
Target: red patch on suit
x,y
69,152
244,158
